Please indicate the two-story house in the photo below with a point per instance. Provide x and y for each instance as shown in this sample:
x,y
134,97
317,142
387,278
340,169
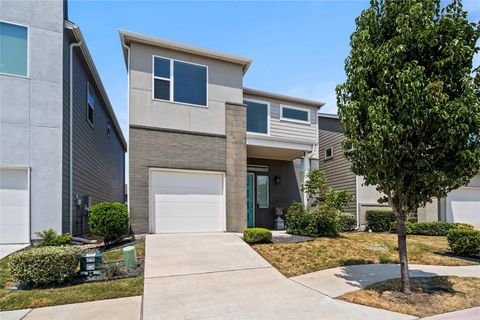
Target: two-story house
x,y
205,153
61,147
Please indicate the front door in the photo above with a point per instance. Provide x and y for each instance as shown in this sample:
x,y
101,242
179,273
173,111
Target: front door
x,y
250,200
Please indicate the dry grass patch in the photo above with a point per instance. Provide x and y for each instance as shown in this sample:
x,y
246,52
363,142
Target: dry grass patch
x,y
429,296
294,259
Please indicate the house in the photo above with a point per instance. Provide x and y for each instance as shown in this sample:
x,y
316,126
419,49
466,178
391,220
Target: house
x,y
61,147
460,205
205,153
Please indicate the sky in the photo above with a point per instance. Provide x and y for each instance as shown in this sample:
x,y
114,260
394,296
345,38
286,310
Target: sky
x,y
297,48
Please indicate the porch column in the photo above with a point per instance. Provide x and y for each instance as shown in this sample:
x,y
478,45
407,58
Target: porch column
x,y
306,163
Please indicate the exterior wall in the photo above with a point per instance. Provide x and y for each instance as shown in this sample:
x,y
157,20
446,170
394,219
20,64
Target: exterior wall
x,y
160,148
337,168
98,158
31,109
224,85
368,199
236,165
429,212
286,129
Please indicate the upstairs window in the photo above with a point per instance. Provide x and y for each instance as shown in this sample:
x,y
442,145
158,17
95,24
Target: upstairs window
x,y
90,104
179,81
295,114
13,49
329,153
258,114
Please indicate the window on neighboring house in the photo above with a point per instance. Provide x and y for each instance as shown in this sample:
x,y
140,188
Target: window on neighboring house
x,y
262,192
13,49
90,104
179,81
109,128
329,153
257,116
295,114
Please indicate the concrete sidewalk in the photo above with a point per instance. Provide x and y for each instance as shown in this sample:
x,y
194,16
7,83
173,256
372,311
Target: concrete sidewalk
x,y
337,281
8,249
467,314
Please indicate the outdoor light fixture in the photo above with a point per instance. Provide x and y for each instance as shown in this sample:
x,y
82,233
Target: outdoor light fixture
x,y
276,179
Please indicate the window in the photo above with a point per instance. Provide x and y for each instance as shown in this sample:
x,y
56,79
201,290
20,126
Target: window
x,y
295,114
90,104
13,49
262,192
257,116
179,81
302,170
109,128
257,168
329,153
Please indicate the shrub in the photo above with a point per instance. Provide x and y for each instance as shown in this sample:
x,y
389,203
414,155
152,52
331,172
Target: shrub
x,y
45,265
464,242
51,238
324,222
257,235
327,222
434,228
347,222
109,220
379,220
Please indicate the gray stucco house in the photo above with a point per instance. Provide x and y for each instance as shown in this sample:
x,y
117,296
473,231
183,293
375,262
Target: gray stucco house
x,y
61,147
205,153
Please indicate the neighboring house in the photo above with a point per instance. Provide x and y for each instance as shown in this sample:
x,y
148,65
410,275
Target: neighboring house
x,y
43,128
460,205
206,154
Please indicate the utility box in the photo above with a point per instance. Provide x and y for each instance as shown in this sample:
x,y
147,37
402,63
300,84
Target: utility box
x,y
91,263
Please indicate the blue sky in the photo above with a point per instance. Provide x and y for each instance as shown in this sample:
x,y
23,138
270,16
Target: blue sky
x,y
298,48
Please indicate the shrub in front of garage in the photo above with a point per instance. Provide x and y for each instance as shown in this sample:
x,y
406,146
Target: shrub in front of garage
x,y
51,238
464,242
347,222
108,220
257,235
379,220
434,228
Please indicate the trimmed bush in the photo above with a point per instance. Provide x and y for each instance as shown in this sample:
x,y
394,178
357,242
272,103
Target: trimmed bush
x,y
51,238
257,235
464,242
108,220
434,228
379,220
347,222
45,265
313,223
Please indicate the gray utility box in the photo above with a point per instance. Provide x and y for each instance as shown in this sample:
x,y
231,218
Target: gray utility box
x,y
91,263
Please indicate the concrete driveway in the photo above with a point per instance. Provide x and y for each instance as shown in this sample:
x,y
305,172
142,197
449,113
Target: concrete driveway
x,y
218,276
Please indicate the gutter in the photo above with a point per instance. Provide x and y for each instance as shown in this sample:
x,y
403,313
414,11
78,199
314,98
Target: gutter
x,y
127,48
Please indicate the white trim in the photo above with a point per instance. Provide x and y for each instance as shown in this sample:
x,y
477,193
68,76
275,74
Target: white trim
x,y
282,118
27,76
254,200
151,214
92,92
260,141
268,116
325,153
172,80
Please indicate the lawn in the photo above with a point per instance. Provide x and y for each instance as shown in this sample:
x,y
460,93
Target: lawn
x,y
43,297
294,259
429,296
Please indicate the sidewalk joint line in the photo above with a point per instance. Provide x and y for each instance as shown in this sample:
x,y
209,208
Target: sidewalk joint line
x,y
208,272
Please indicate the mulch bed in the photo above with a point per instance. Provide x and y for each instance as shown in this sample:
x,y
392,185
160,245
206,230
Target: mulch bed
x,y
290,238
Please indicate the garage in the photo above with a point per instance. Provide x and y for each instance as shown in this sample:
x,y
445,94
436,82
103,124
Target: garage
x,y
463,205
187,201
14,206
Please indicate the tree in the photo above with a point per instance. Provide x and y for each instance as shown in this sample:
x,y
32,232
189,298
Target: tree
x,y
410,107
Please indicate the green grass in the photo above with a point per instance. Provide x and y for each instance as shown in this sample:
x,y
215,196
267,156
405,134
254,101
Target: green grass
x,y
43,297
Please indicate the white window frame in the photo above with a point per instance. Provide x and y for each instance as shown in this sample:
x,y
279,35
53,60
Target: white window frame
x,y
325,153
171,81
282,118
90,89
27,76
268,117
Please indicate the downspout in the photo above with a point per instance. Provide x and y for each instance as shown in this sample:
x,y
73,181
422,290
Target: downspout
x,y
70,143
128,127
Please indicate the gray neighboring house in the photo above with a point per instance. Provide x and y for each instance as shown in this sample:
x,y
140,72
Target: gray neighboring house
x,y
59,152
460,205
205,153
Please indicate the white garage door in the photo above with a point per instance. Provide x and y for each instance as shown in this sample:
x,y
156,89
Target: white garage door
x,y
14,206
463,205
187,201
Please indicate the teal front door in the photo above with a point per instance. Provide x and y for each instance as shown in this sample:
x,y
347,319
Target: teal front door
x,y
250,200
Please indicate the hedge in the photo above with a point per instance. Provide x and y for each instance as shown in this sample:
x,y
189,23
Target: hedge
x,y
314,223
434,228
464,242
257,235
379,220
108,220
45,265
347,222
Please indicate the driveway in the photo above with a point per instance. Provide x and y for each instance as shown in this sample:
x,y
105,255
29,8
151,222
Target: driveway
x,y
218,276
8,249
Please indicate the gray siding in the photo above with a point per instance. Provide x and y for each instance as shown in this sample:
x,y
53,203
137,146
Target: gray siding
x,y
98,159
337,169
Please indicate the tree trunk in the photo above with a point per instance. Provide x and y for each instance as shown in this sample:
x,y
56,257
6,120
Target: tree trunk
x,y
402,251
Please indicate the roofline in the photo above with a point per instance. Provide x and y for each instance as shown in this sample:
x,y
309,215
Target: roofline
x,y
126,37
278,96
328,115
98,81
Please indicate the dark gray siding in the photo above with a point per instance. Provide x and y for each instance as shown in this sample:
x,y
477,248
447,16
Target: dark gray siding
x,y
98,158
337,169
